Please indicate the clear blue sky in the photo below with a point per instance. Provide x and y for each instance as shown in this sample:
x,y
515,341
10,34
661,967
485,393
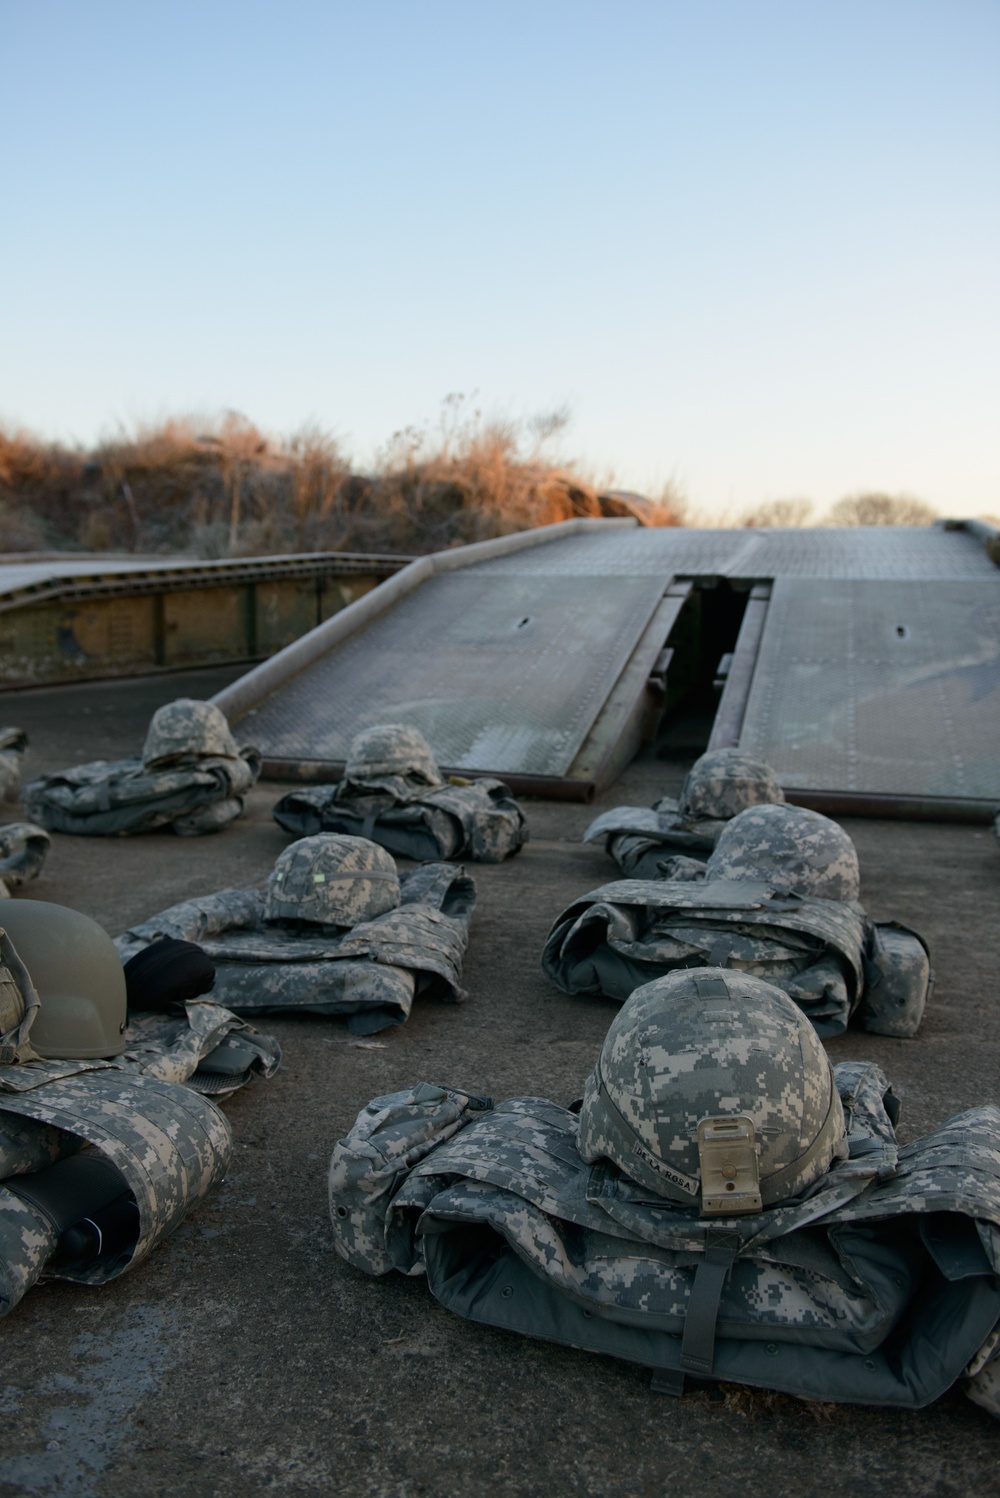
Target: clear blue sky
x,y
754,246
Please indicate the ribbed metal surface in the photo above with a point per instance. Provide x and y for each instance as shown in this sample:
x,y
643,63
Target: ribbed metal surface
x,y
880,688
499,670
872,552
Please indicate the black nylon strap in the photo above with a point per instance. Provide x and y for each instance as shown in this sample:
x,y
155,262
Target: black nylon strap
x,y
698,1342
710,988
368,826
718,956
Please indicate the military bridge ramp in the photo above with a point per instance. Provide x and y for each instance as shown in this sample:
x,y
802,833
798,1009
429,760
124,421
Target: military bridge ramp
x,y
864,663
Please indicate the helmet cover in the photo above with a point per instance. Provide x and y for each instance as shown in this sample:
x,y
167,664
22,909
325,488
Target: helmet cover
x,y
790,847
331,879
710,1044
724,782
187,729
388,752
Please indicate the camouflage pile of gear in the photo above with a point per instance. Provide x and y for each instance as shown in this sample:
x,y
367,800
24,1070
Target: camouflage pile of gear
x,y
191,778
23,849
670,839
875,1282
169,1145
394,793
337,931
13,743
778,901
144,1140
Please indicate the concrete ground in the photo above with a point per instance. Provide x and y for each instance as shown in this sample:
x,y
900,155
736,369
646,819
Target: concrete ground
x,y
245,1356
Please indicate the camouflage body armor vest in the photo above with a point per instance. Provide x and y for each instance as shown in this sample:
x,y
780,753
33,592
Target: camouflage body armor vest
x,y
190,777
825,954
878,1284
658,841
100,1159
394,793
79,1137
655,842
475,819
115,798
369,972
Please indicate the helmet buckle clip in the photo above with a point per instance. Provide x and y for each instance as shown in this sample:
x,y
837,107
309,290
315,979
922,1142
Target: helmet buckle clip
x,y
730,1169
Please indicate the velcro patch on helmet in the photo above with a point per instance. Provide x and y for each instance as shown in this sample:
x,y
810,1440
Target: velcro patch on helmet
x,y
667,1172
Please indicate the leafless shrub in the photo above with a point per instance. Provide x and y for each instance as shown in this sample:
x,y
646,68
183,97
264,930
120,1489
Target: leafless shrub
x,y
779,514
880,509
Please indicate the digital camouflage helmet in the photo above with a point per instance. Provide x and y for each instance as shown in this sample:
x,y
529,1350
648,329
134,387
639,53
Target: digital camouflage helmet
x,y
790,847
185,730
332,880
712,1088
724,782
66,964
388,753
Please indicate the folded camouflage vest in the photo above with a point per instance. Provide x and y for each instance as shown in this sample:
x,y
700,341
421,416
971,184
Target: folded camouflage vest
x,y
880,1284
23,849
658,841
369,973
155,1144
114,798
475,819
824,954
141,1129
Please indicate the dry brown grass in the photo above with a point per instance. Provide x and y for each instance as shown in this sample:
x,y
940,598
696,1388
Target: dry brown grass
x,y
225,488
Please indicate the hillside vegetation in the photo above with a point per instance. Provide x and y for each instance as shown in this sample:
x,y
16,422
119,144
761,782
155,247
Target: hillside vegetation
x,y
228,489
225,488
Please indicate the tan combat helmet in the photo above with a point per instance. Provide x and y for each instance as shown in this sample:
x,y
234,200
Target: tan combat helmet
x,y
712,1089
185,730
790,847
73,973
331,880
724,782
380,756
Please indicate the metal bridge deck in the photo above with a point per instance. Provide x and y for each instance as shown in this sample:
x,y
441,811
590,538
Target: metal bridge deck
x,y
498,670
887,689
874,552
872,670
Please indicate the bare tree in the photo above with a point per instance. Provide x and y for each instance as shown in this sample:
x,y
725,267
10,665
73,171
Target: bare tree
x,y
779,514
880,509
